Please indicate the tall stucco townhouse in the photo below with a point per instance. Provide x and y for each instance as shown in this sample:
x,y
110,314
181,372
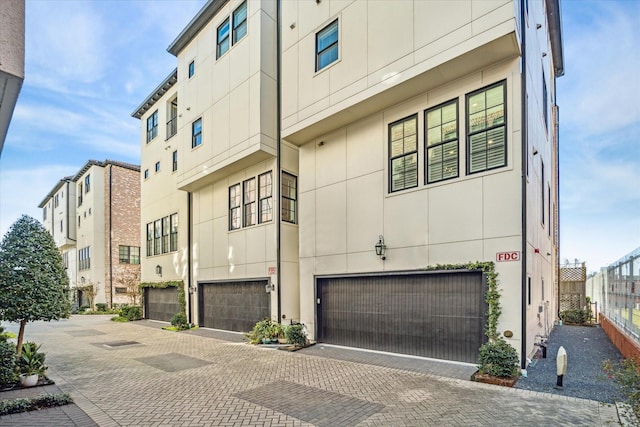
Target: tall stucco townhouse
x,y
94,218
11,61
345,163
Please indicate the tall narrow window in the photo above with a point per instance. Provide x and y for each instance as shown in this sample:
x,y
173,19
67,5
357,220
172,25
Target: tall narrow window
x,y
240,22
235,213
150,239
289,190
87,183
172,123
265,194
249,201
174,158
44,213
549,209
192,68
403,154
442,142
486,129
152,126
56,201
157,248
146,173
165,234
174,232
223,38
157,167
196,133
80,194
542,195
327,45
545,108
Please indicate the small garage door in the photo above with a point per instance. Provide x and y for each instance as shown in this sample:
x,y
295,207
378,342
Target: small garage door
x,y
438,315
233,306
161,303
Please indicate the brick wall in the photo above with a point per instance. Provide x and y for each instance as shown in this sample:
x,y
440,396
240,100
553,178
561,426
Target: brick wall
x,y
122,212
624,343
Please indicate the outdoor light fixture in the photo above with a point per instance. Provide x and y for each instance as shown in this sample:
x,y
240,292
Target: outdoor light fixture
x,y
82,279
381,247
159,270
269,287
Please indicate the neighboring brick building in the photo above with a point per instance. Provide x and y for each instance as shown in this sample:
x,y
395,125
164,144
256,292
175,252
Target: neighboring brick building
x,y
104,220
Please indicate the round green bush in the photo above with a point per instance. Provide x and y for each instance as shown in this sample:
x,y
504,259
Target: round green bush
x,y
179,321
498,358
296,335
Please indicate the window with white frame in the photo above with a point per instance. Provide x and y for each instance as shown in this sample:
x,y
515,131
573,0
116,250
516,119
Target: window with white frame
x,y
486,129
327,45
152,126
403,154
289,198
441,123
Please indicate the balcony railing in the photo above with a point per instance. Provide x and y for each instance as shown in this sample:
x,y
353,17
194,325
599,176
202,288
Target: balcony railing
x,y
172,127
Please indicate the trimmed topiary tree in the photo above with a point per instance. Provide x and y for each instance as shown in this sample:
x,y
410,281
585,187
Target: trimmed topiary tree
x,y
33,280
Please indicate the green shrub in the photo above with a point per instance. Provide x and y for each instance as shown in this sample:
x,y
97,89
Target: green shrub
x,y
627,375
83,308
31,360
179,321
131,312
7,363
499,359
296,335
264,329
29,404
578,317
102,307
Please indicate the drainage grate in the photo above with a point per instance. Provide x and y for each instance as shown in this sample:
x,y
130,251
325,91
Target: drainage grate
x,y
115,344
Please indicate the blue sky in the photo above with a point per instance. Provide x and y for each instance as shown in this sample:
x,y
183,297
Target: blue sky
x,y
89,64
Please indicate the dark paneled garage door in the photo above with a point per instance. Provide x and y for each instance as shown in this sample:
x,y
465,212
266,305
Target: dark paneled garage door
x,y
233,306
438,315
161,303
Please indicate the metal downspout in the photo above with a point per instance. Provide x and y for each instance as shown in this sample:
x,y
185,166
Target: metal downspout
x,y
110,235
189,273
278,160
524,145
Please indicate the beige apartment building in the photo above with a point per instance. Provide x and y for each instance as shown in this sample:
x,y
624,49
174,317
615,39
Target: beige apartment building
x,y
330,155
11,60
94,218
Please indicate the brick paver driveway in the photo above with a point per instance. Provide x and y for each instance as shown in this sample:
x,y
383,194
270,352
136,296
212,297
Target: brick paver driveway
x,y
135,375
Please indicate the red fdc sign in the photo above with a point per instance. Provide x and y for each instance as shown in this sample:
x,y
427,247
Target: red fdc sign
x,y
508,256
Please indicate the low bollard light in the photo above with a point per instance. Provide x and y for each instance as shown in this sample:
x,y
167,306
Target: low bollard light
x,y
561,363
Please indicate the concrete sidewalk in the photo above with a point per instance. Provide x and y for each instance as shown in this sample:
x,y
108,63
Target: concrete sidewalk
x,y
136,374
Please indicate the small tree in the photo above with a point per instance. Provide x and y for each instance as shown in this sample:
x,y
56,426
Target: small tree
x,y
90,290
33,281
131,281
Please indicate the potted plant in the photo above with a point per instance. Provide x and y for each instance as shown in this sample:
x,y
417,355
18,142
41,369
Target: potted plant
x,y
31,364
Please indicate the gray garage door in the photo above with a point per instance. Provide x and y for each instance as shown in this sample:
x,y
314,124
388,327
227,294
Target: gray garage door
x,y
161,303
438,315
233,306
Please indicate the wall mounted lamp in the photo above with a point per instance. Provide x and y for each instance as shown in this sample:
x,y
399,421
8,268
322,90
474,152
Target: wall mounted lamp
x,y
269,287
82,280
381,248
159,270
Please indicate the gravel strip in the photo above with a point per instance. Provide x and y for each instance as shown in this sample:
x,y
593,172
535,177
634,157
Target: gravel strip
x,y
587,347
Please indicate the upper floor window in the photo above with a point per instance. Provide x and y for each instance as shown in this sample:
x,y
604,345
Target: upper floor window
x,y
486,129
249,201
240,22
44,213
87,183
403,154
174,161
289,189
157,167
327,45
442,142
152,126
223,39
80,194
172,123
192,68
196,133
146,173
265,192
84,258
235,214
56,201
545,108
150,239
129,254
165,234
173,219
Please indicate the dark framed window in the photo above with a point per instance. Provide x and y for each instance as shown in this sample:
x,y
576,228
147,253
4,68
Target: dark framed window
x,y
121,290
56,201
150,239
542,195
44,213
84,258
549,209
129,254
327,45
146,173
157,166
174,161
174,232
487,128
403,154
249,202
152,126
222,39
165,234
172,123
289,190
545,108
192,68
87,183
441,124
80,194
157,247
235,213
196,133
265,197
240,22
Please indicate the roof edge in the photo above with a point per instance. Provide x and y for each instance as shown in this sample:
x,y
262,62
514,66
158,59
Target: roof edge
x,y
198,22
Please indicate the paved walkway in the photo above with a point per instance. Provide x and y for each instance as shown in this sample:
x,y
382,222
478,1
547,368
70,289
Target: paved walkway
x,y
136,374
